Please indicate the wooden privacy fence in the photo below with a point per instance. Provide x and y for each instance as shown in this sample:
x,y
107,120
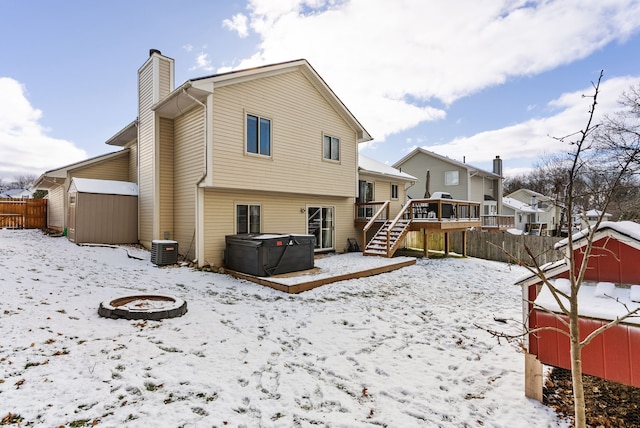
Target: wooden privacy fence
x,y
23,213
493,245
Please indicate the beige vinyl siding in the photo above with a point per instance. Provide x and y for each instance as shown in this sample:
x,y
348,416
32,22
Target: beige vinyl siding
x,y
133,163
146,145
299,117
55,208
112,169
419,164
165,78
478,189
280,213
165,177
189,167
382,192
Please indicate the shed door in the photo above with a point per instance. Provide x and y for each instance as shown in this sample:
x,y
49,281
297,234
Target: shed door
x,y
71,217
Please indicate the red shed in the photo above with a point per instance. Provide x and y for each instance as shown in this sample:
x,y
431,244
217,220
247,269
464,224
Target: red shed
x,y
611,280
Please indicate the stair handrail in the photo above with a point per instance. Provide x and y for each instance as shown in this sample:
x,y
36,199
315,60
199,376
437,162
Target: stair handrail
x,y
395,221
373,219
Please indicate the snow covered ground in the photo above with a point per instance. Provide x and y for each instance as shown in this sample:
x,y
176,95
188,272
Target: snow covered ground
x,y
398,349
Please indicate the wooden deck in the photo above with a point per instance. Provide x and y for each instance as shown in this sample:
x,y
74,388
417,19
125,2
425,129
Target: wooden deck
x,y
297,282
428,215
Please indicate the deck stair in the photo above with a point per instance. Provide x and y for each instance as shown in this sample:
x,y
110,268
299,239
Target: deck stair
x,y
385,244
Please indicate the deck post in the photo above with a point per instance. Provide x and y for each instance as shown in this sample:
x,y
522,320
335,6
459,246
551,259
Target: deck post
x,y
532,377
425,244
464,243
446,243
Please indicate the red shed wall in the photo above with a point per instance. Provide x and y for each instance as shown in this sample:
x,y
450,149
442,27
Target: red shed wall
x,y
609,355
611,261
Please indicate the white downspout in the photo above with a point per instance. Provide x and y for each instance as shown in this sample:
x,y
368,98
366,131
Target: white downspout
x,y
199,220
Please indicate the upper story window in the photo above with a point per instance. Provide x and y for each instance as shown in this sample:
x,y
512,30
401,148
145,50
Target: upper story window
x,y
394,191
258,135
451,178
331,148
247,218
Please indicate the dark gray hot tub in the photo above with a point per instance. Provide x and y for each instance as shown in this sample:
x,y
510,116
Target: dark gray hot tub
x,y
269,253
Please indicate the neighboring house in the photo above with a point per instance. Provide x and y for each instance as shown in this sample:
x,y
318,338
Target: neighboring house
x,y
524,215
111,166
538,215
592,217
463,181
610,289
18,193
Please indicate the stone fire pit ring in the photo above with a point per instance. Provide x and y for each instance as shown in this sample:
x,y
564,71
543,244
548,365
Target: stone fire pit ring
x,y
143,307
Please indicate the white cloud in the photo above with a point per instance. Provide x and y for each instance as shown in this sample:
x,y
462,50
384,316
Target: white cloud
x,y
188,47
28,148
203,63
390,61
537,137
237,23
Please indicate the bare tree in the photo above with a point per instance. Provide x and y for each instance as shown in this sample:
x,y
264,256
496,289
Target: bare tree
x,y
601,159
23,181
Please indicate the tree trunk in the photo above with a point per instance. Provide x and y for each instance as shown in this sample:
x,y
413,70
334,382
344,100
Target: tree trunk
x,y
576,366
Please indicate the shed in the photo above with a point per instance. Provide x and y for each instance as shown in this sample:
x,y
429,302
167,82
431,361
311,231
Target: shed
x,y
103,211
610,289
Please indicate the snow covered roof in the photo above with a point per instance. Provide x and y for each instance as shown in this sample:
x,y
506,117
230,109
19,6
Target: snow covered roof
x,y
107,187
367,164
596,213
627,231
520,206
601,300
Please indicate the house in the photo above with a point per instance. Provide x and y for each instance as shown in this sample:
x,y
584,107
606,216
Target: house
x,y
18,193
591,217
461,180
610,289
534,212
268,149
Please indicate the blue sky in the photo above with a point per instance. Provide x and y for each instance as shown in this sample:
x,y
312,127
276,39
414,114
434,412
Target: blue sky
x,y
472,79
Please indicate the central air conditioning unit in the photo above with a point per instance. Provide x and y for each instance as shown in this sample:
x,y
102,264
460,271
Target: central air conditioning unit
x,y
164,252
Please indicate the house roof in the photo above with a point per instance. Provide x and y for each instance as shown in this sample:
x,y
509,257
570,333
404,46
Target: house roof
x,y
372,166
529,193
520,206
195,91
56,177
470,168
125,135
105,187
597,213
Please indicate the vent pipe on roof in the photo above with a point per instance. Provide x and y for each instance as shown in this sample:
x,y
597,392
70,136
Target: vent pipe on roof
x,y
153,51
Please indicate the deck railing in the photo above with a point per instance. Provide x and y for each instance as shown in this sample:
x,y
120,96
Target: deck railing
x,y
496,221
365,211
442,210
382,213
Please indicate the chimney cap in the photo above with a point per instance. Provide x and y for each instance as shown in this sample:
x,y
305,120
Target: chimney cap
x,y
154,51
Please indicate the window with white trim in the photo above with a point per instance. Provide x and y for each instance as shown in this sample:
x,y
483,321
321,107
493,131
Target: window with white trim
x,y
258,134
451,178
331,148
247,218
394,191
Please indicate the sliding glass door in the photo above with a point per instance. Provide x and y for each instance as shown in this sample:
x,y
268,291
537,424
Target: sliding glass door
x,y
320,223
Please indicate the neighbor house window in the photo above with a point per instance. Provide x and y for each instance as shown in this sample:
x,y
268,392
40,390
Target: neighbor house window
x,y
451,178
394,191
331,148
258,135
247,218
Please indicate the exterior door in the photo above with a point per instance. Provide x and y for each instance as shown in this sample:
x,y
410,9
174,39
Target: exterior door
x,y
320,223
